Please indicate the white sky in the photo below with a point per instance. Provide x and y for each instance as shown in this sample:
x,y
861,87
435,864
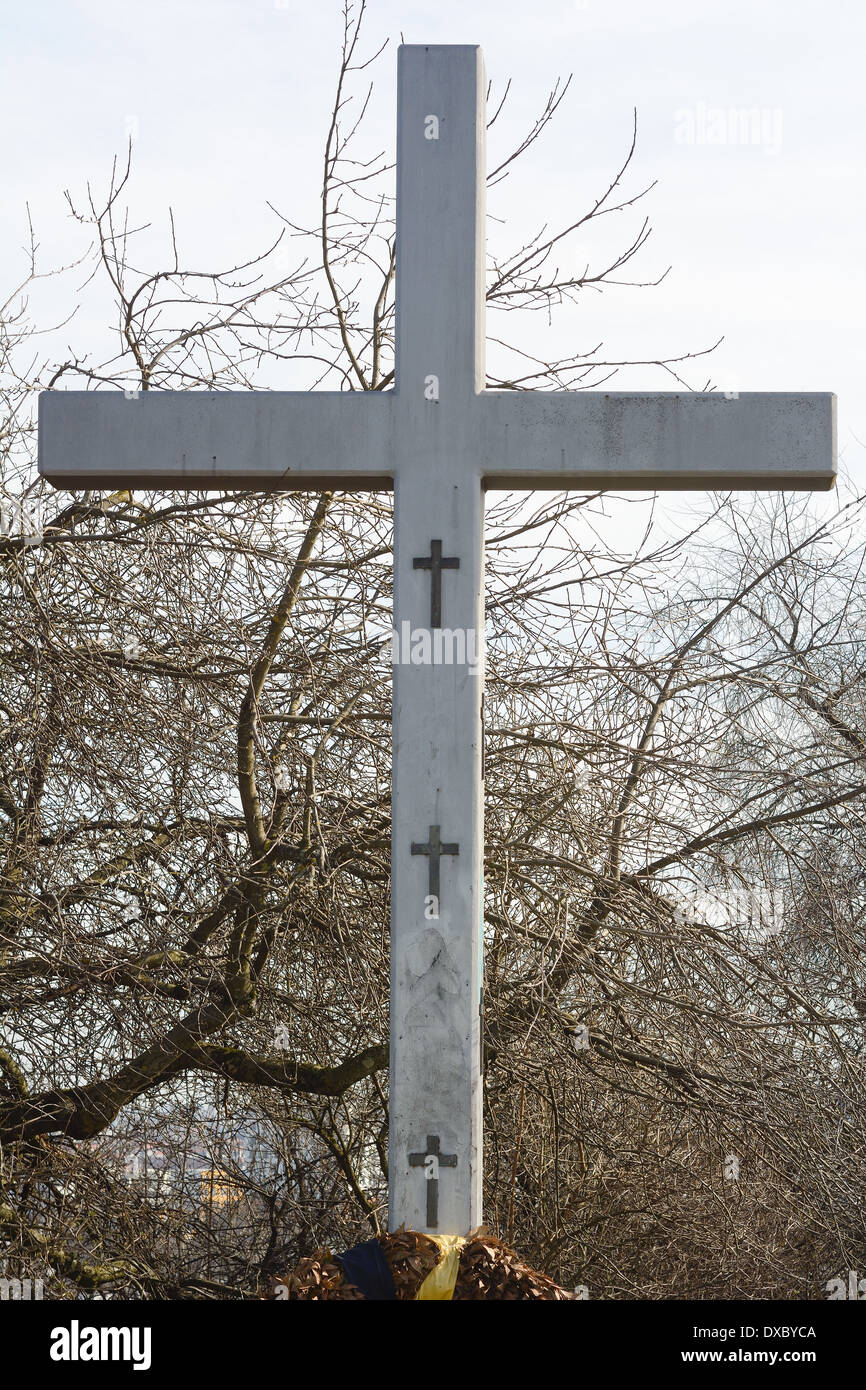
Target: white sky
x,y
228,100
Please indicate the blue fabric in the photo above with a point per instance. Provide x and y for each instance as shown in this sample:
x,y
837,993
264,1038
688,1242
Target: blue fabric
x,y
366,1267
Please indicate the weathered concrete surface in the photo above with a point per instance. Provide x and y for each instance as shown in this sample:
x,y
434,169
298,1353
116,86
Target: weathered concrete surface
x,y
436,1082
510,439
670,439
216,439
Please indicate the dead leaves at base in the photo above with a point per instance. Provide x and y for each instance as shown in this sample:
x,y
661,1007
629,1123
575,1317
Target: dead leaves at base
x,y
489,1269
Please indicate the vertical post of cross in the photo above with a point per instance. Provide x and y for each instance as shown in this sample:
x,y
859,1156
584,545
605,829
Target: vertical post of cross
x,y
436,960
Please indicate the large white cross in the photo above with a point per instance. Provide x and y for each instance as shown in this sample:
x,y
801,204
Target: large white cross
x,y
439,439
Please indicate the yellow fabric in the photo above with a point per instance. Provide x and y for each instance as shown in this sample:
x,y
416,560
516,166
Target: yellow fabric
x,y
440,1282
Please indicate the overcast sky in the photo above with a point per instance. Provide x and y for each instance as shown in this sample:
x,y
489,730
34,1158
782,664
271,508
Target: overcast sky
x,y
227,100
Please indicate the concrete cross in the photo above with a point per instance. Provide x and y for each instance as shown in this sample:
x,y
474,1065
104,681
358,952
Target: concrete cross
x,y
439,439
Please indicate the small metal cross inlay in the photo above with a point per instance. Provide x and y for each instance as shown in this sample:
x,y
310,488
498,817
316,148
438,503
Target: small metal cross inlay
x,y
436,562
435,849
431,1161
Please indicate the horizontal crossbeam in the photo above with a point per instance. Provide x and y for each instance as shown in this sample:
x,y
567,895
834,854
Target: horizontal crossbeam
x,y
665,440
255,440
509,439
